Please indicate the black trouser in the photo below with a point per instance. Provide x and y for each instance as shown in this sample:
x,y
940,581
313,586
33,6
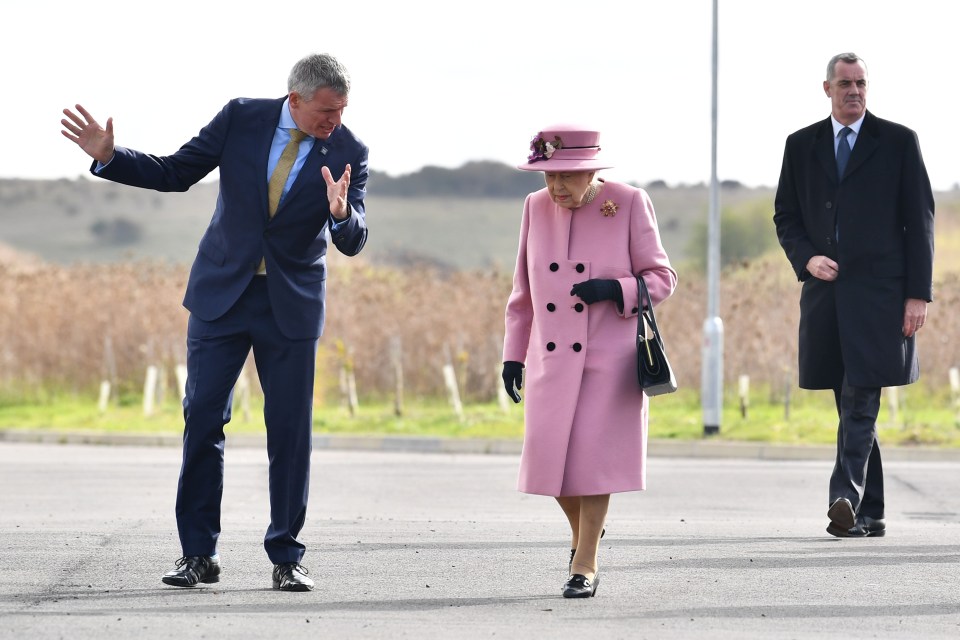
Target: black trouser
x,y
858,472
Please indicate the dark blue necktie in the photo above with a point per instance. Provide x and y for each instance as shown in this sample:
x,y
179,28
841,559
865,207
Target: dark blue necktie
x,y
843,152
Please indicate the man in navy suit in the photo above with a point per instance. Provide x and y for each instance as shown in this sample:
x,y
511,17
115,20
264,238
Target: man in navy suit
x,y
854,215
258,282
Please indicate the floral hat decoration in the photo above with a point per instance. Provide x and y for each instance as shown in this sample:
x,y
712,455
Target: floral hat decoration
x,y
565,148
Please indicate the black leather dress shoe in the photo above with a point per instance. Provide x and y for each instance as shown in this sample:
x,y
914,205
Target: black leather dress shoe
x,y
871,527
291,576
580,586
867,527
841,516
191,570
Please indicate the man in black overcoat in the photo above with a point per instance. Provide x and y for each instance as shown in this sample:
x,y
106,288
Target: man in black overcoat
x,y
854,215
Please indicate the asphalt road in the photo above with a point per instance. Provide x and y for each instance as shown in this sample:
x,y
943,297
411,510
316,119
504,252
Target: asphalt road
x,y
440,545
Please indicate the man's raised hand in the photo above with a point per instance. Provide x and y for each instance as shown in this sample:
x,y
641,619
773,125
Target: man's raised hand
x,y
86,132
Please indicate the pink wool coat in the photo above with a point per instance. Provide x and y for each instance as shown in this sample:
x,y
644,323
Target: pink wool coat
x,y
585,417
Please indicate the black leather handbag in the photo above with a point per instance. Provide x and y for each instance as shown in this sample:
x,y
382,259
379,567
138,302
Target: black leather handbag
x,y
653,369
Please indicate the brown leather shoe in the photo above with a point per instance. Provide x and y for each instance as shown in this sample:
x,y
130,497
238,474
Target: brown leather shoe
x,y
191,570
291,576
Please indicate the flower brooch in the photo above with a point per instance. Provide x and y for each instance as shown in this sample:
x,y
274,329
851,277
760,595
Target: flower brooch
x,y
541,149
609,208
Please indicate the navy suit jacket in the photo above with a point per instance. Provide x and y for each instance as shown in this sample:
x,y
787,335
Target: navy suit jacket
x,y
293,243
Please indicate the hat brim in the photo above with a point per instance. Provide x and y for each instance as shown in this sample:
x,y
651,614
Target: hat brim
x,y
557,164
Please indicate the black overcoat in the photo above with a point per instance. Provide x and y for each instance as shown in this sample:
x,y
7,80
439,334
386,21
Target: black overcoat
x,y
877,224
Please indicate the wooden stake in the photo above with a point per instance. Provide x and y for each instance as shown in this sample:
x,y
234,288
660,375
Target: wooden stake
x,y
149,390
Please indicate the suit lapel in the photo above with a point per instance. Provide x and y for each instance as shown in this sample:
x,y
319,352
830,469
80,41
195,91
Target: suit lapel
x,y
268,129
867,143
824,151
309,170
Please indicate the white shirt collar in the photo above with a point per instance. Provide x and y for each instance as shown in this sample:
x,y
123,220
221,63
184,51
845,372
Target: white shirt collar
x,y
855,126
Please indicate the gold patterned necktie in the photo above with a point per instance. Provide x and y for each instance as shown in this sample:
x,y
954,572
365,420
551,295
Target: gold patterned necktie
x,y
282,171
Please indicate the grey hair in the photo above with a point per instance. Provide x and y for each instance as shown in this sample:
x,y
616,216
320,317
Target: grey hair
x,y
317,71
849,58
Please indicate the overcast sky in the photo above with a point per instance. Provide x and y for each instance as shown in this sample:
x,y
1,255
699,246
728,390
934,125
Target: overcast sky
x,y
444,82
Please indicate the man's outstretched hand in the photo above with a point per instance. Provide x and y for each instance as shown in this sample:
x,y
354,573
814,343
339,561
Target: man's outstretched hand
x,y
87,133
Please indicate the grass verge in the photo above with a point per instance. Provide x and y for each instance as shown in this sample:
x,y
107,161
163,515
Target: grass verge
x,y
811,419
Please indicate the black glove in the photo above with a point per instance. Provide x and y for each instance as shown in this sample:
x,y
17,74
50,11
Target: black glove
x,y
596,290
512,377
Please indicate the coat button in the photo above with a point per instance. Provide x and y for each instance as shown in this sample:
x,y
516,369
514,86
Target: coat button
x,y
580,268
829,205
578,307
577,347
551,346
829,241
554,266
635,310
551,307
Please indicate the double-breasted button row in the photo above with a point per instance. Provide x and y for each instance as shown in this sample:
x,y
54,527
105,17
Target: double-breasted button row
x,y
576,346
577,307
556,267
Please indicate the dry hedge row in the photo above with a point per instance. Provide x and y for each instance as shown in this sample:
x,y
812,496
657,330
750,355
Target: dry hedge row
x,y
67,328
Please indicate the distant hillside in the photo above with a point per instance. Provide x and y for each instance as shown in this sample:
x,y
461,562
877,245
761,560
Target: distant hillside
x,y
462,218
473,180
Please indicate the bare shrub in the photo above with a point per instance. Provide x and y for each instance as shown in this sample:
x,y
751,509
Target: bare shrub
x,y
56,320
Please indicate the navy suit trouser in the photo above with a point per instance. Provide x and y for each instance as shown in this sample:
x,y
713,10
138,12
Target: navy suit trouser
x,y
858,470
216,352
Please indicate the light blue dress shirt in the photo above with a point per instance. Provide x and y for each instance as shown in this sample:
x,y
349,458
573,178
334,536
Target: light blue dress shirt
x,y
280,139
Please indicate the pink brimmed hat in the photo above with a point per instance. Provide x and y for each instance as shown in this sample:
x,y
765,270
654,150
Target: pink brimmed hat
x,y
565,148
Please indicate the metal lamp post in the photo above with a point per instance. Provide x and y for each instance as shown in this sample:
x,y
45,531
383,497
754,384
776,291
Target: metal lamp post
x,y
711,383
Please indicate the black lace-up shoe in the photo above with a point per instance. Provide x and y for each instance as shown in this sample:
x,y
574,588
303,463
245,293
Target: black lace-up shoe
x,y
291,576
191,570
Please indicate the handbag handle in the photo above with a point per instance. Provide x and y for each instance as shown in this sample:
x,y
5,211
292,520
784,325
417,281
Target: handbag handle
x,y
646,313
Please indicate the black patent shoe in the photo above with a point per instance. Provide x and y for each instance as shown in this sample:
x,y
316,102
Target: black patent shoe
x,y
291,576
580,586
192,570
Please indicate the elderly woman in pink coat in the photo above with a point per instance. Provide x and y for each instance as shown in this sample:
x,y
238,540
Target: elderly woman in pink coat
x,y
571,323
